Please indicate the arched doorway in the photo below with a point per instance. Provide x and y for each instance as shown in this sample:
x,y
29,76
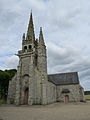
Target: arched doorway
x,y
66,98
26,93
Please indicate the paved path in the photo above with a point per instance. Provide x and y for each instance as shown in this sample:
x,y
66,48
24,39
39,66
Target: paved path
x,y
57,111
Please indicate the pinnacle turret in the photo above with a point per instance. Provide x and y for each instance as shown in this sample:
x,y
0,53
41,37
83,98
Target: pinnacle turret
x,y
41,38
23,37
30,32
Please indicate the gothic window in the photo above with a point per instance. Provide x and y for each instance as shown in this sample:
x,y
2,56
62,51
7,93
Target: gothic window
x,y
25,80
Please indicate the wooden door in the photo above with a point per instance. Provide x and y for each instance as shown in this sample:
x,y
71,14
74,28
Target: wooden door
x,y
66,98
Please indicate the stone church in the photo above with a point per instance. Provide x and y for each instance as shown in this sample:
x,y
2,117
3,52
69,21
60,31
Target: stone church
x,y
32,85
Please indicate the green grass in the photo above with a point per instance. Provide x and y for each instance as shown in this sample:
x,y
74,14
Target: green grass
x,y
3,102
87,97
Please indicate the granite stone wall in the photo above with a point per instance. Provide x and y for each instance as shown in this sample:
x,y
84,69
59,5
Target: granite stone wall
x,y
12,90
74,94
51,93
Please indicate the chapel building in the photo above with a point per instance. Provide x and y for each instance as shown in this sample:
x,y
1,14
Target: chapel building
x,y
32,84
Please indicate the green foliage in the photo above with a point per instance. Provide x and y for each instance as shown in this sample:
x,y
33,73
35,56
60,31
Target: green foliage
x,y
87,92
3,102
87,97
5,76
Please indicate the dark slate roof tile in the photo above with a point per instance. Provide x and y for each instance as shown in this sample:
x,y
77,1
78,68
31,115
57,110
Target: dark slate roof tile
x,y
64,78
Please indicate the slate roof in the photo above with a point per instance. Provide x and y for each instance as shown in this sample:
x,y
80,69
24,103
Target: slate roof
x,y
64,78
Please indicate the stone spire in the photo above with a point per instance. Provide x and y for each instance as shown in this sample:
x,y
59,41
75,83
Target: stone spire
x,y
30,32
41,38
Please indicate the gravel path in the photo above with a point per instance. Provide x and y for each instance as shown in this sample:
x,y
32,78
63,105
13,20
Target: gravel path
x,y
56,111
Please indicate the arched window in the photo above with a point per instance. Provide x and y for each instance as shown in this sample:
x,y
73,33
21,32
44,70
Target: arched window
x,y
30,47
25,47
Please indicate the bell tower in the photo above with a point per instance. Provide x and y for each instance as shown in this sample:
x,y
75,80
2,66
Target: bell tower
x,y
26,81
32,69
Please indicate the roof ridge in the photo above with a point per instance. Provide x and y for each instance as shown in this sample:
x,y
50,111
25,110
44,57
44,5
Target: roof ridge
x,y
62,73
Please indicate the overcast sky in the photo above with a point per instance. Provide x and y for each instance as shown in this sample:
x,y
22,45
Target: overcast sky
x,y
66,28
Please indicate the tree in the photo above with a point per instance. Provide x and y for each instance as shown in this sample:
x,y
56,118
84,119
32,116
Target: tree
x,y
5,76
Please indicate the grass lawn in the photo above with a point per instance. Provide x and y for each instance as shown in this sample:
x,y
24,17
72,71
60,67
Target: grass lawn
x,y
87,97
3,102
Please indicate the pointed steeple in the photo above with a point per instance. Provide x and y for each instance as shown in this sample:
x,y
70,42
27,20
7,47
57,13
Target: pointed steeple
x,y
30,32
41,38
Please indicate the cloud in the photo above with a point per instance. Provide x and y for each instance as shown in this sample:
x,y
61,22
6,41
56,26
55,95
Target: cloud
x,y
66,27
9,62
61,55
69,60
